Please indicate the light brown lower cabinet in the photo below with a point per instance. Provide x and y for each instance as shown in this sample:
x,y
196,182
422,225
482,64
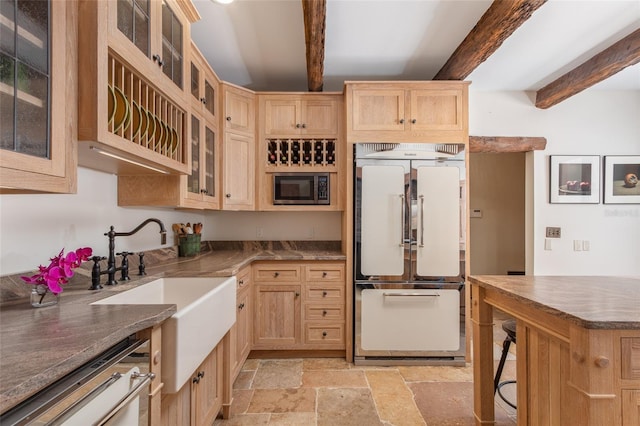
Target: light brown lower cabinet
x,y
241,331
199,401
299,305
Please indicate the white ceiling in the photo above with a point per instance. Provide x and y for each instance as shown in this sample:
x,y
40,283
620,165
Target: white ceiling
x,y
259,44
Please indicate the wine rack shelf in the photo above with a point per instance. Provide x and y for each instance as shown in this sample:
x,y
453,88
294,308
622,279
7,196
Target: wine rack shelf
x,y
300,154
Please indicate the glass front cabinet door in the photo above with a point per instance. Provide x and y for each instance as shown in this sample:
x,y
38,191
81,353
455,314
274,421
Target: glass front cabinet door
x,y
37,96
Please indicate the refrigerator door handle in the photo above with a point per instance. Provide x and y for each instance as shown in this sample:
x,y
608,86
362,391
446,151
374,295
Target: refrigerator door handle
x,y
402,224
421,220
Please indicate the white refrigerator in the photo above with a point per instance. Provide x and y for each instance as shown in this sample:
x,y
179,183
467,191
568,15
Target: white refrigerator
x,y
409,253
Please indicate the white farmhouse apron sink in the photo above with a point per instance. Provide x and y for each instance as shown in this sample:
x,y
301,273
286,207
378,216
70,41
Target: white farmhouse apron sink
x,y
205,312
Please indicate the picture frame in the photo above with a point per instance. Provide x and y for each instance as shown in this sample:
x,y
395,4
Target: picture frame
x,y
621,179
574,179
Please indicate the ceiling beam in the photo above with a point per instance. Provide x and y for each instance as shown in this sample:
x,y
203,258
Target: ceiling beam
x,y
624,53
314,12
503,144
499,21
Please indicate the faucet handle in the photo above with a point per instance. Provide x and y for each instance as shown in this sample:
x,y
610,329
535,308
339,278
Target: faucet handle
x,y
95,273
141,265
124,266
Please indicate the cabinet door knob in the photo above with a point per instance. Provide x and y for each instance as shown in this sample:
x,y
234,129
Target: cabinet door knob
x,y
297,293
402,121
241,306
228,195
297,125
201,374
229,118
241,282
158,59
304,126
413,121
203,100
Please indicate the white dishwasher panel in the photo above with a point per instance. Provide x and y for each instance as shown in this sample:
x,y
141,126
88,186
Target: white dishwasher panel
x,y
410,320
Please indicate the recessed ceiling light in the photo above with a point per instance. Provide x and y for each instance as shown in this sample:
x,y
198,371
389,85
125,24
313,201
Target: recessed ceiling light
x,y
223,1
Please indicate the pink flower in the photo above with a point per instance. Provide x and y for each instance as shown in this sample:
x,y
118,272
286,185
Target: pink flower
x,y
59,270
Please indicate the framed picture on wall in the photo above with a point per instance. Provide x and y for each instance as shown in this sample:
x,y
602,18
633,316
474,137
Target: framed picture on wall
x,y
574,179
621,185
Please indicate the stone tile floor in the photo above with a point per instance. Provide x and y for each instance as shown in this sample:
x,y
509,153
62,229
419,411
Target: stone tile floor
x,y
333,392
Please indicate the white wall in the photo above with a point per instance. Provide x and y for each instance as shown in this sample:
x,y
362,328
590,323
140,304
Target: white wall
x,y
34,228
594,122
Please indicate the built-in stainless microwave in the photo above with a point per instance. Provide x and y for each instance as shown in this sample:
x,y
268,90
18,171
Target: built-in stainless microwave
x,y
301,188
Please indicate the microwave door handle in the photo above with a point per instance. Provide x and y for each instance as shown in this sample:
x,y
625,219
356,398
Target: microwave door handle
x,y
402,220
421,220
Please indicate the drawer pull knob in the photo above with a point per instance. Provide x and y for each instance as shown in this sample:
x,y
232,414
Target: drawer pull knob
x,y
324,274
276,274
324,334
324,294
602,361
324,313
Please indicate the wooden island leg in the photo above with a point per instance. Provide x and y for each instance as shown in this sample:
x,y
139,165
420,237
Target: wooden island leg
x,y
483,397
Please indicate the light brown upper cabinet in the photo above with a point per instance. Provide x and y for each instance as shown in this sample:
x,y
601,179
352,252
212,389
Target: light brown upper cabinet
x,y
239,109
300,115
38,94
133,87
431,111
204,84
238,148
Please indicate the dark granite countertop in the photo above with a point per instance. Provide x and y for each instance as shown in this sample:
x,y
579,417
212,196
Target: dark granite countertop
x,y
41,345
590,302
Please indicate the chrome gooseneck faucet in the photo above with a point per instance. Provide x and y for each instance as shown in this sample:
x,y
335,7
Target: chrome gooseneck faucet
x,y
111,260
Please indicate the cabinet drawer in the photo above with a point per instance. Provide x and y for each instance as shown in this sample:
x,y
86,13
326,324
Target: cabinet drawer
x,y
630,357
323,313
325,293
324,334
325,272
277,273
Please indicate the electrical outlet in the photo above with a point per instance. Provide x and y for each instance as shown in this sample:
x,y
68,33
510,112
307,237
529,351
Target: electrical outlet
x,y
577,245
553,232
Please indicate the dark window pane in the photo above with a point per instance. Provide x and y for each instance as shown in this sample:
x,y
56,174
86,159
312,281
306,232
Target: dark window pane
x,y
209,96
143,5
209,183
125,18
166,59
7,109
33,34
193,180
195,81
167,14
141,33
177,69
176,37
7,29
32,112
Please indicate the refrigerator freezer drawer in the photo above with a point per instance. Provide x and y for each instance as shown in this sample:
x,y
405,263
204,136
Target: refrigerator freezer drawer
x,y
410,320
